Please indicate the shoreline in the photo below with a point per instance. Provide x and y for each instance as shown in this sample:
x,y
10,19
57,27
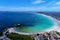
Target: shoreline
x,y
54,28
56,25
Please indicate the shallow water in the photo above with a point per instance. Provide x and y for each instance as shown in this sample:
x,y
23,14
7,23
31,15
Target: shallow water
x,y
40,23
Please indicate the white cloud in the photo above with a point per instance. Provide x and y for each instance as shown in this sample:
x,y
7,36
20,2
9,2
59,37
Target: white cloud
x,y
58,3
37,1
23,8
41,8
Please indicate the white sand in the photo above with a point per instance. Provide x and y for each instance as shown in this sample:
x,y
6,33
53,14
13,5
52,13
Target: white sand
x,y
56,26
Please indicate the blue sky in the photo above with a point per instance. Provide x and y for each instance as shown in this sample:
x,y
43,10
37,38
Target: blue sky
x,y
30,5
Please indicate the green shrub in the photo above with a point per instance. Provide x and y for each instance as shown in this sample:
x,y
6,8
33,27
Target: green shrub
x,y
57,33
15,36
1,33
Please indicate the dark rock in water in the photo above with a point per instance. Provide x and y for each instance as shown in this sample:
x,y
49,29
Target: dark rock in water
x,y
20,25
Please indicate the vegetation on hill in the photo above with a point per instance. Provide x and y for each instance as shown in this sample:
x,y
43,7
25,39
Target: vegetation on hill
x,y
15,36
